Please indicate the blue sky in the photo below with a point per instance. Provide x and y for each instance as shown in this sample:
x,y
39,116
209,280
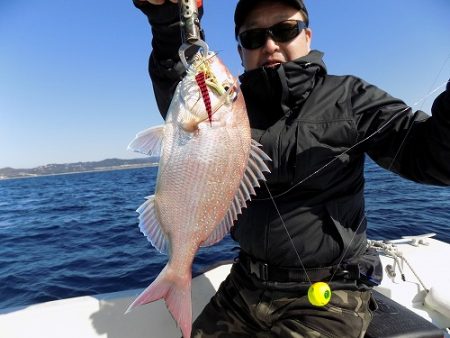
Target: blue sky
x,y
73,74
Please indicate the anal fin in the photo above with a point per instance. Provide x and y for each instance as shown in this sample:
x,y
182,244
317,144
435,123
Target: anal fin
x,y
150,226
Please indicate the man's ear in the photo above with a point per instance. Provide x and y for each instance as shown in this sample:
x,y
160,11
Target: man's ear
x,y
239,49
308,34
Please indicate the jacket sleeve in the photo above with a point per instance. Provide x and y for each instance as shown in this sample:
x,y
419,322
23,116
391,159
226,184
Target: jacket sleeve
x,y
164,66
412,144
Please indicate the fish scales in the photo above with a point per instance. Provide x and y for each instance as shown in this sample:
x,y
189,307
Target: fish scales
x,y
204,179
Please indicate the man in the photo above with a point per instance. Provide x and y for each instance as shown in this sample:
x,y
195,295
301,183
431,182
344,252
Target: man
x,y
316,128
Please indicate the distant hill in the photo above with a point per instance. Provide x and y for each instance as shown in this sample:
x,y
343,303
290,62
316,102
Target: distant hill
x,y
66,168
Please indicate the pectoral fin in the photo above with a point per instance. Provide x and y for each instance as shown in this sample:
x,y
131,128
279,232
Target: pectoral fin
x,y
148,142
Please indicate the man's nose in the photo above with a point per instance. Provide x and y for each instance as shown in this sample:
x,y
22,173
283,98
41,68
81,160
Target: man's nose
x,y
270,46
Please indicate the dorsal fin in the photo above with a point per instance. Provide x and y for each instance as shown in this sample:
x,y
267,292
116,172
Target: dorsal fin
x,y
253,172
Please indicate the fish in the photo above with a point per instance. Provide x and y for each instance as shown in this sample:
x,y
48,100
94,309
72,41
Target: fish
x,y
209,167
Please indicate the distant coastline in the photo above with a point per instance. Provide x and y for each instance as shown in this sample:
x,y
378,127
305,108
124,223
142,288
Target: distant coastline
x,y
76,168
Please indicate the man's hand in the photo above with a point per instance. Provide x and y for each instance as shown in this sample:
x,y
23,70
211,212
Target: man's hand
x,y
160,2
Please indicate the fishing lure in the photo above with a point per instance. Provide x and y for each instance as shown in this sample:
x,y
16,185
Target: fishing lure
x,y
200,78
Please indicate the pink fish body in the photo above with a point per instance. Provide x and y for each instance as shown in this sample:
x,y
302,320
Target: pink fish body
x,y
208,169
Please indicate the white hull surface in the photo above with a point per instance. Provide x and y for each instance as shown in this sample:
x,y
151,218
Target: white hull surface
x,y
103,315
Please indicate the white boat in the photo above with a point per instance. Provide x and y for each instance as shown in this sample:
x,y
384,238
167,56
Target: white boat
x,y
406,308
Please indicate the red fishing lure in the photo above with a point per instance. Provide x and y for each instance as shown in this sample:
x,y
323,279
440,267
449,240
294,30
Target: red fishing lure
x,y
200,79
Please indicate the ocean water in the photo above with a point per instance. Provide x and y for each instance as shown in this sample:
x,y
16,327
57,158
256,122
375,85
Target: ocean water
x,y
71,235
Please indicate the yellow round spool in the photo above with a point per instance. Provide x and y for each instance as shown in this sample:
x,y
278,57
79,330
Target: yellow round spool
x,y
319,294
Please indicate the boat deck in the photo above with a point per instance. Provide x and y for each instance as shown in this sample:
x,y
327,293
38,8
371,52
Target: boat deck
x,y
103,315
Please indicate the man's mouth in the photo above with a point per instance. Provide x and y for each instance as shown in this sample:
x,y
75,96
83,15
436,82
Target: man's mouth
x,y
271,64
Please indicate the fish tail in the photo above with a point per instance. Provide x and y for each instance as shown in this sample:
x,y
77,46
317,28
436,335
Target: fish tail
x,y
176,291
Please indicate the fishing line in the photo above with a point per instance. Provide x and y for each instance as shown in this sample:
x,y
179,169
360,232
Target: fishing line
x,y
336,158
423,99
295,249
433,84
347,248
287,232
429,94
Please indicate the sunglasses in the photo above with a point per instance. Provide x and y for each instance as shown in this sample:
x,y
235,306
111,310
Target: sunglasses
x,y
281,32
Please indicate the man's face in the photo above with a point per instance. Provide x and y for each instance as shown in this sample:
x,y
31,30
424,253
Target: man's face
x,y
273,53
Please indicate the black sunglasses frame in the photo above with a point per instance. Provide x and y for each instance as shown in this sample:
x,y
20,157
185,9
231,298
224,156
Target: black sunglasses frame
x,y
260,35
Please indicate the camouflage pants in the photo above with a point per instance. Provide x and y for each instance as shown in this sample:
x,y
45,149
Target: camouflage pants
x,y
245,307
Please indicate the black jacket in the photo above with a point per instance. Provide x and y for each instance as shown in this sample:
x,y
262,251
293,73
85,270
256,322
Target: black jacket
x,y
317,129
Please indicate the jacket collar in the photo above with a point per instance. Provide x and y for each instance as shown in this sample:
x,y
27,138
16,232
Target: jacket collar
x,y
271,93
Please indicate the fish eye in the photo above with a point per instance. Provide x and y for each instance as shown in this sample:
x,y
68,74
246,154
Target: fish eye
x,y
227,85
230,89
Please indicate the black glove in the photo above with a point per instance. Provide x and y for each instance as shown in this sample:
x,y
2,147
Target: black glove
x,y
159,15
165,22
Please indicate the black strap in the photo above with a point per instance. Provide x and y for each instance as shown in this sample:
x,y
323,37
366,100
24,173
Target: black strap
x,y
266,272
